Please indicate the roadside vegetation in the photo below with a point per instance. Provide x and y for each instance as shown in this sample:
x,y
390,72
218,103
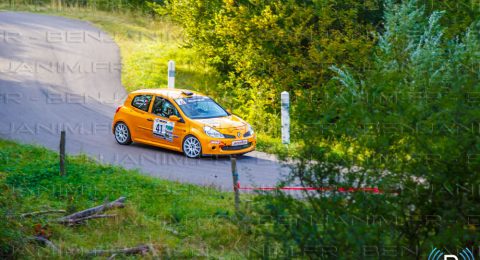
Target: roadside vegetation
x,y
147,42
408,125
384,94
179,220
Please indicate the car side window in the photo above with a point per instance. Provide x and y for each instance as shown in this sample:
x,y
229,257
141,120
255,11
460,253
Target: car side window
x,y
164,108
142,102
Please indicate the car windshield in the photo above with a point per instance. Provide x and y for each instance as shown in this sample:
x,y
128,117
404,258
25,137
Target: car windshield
x,y
198,107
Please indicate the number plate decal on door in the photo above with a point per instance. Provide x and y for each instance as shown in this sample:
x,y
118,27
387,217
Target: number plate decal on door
x,y
163,129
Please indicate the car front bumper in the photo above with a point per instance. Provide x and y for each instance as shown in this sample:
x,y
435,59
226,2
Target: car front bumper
x,y
223,146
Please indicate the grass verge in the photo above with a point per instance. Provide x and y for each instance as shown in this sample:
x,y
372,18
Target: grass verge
x,y
180,220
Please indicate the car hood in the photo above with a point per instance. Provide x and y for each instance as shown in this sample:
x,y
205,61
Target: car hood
x,y
224,124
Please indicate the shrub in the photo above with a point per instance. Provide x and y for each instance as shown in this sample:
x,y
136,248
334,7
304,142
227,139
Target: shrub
x,y
262,48
409,127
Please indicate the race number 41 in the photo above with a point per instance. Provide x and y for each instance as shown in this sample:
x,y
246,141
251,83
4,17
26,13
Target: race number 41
x,y
163,129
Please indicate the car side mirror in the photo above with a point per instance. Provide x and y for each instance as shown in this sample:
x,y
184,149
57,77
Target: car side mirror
x,y
229,111
174,118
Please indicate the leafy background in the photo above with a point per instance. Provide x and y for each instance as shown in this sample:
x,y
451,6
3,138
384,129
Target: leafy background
x,y
384,93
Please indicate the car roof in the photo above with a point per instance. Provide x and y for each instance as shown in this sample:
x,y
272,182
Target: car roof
x,y
169,92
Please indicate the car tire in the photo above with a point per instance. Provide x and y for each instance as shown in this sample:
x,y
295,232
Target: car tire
x,y
122,134
192,148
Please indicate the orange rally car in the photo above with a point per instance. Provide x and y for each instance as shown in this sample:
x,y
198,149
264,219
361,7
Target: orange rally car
x,y
181,120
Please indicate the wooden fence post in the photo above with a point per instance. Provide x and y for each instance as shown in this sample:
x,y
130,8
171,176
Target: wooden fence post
x,y
62,153
233,160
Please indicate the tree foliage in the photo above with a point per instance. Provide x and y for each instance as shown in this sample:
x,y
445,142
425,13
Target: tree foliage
x,y
262,48
408,126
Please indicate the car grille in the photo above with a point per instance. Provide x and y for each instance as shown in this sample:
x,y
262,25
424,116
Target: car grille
x,y
237,147
229,136
247,134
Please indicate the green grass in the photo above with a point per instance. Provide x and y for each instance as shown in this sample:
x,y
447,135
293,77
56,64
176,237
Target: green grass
x,y
181,219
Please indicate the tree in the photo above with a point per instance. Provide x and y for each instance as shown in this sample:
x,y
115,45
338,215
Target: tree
x,y
408,126
262,48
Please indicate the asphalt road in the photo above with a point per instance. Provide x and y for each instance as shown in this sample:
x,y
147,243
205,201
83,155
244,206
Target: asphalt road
x,y
58,73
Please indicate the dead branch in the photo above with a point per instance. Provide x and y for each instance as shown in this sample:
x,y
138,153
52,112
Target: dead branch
x,y
153,251
94,213
36,213
118,203
141,249
77,221
47,242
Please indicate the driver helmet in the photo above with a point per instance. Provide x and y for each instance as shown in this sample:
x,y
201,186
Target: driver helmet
x,y
168,109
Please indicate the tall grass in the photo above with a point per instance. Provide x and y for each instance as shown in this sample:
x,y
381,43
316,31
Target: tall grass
x,y
178,219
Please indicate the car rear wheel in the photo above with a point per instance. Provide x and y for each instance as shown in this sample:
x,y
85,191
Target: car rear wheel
x,y
122,134
192,147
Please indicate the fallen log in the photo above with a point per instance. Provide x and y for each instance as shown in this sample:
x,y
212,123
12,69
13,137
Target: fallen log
x,y
77,221
141,249
118,203
47,242
36,213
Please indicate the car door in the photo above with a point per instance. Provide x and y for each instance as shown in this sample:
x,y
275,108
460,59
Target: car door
x,y
141,119
164,130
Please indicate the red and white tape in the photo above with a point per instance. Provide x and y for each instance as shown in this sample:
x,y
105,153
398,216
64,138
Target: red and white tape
x,y
340,189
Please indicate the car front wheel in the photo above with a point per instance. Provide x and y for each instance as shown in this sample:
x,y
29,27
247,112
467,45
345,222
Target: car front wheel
x,y
122,134
192,147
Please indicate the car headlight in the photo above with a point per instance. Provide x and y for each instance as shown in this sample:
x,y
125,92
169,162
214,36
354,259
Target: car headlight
x,y
212,132
250,129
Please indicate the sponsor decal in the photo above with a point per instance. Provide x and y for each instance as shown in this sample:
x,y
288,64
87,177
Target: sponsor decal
x,y
180,101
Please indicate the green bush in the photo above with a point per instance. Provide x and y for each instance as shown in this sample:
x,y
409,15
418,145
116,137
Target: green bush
x,y
262,48
408,126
